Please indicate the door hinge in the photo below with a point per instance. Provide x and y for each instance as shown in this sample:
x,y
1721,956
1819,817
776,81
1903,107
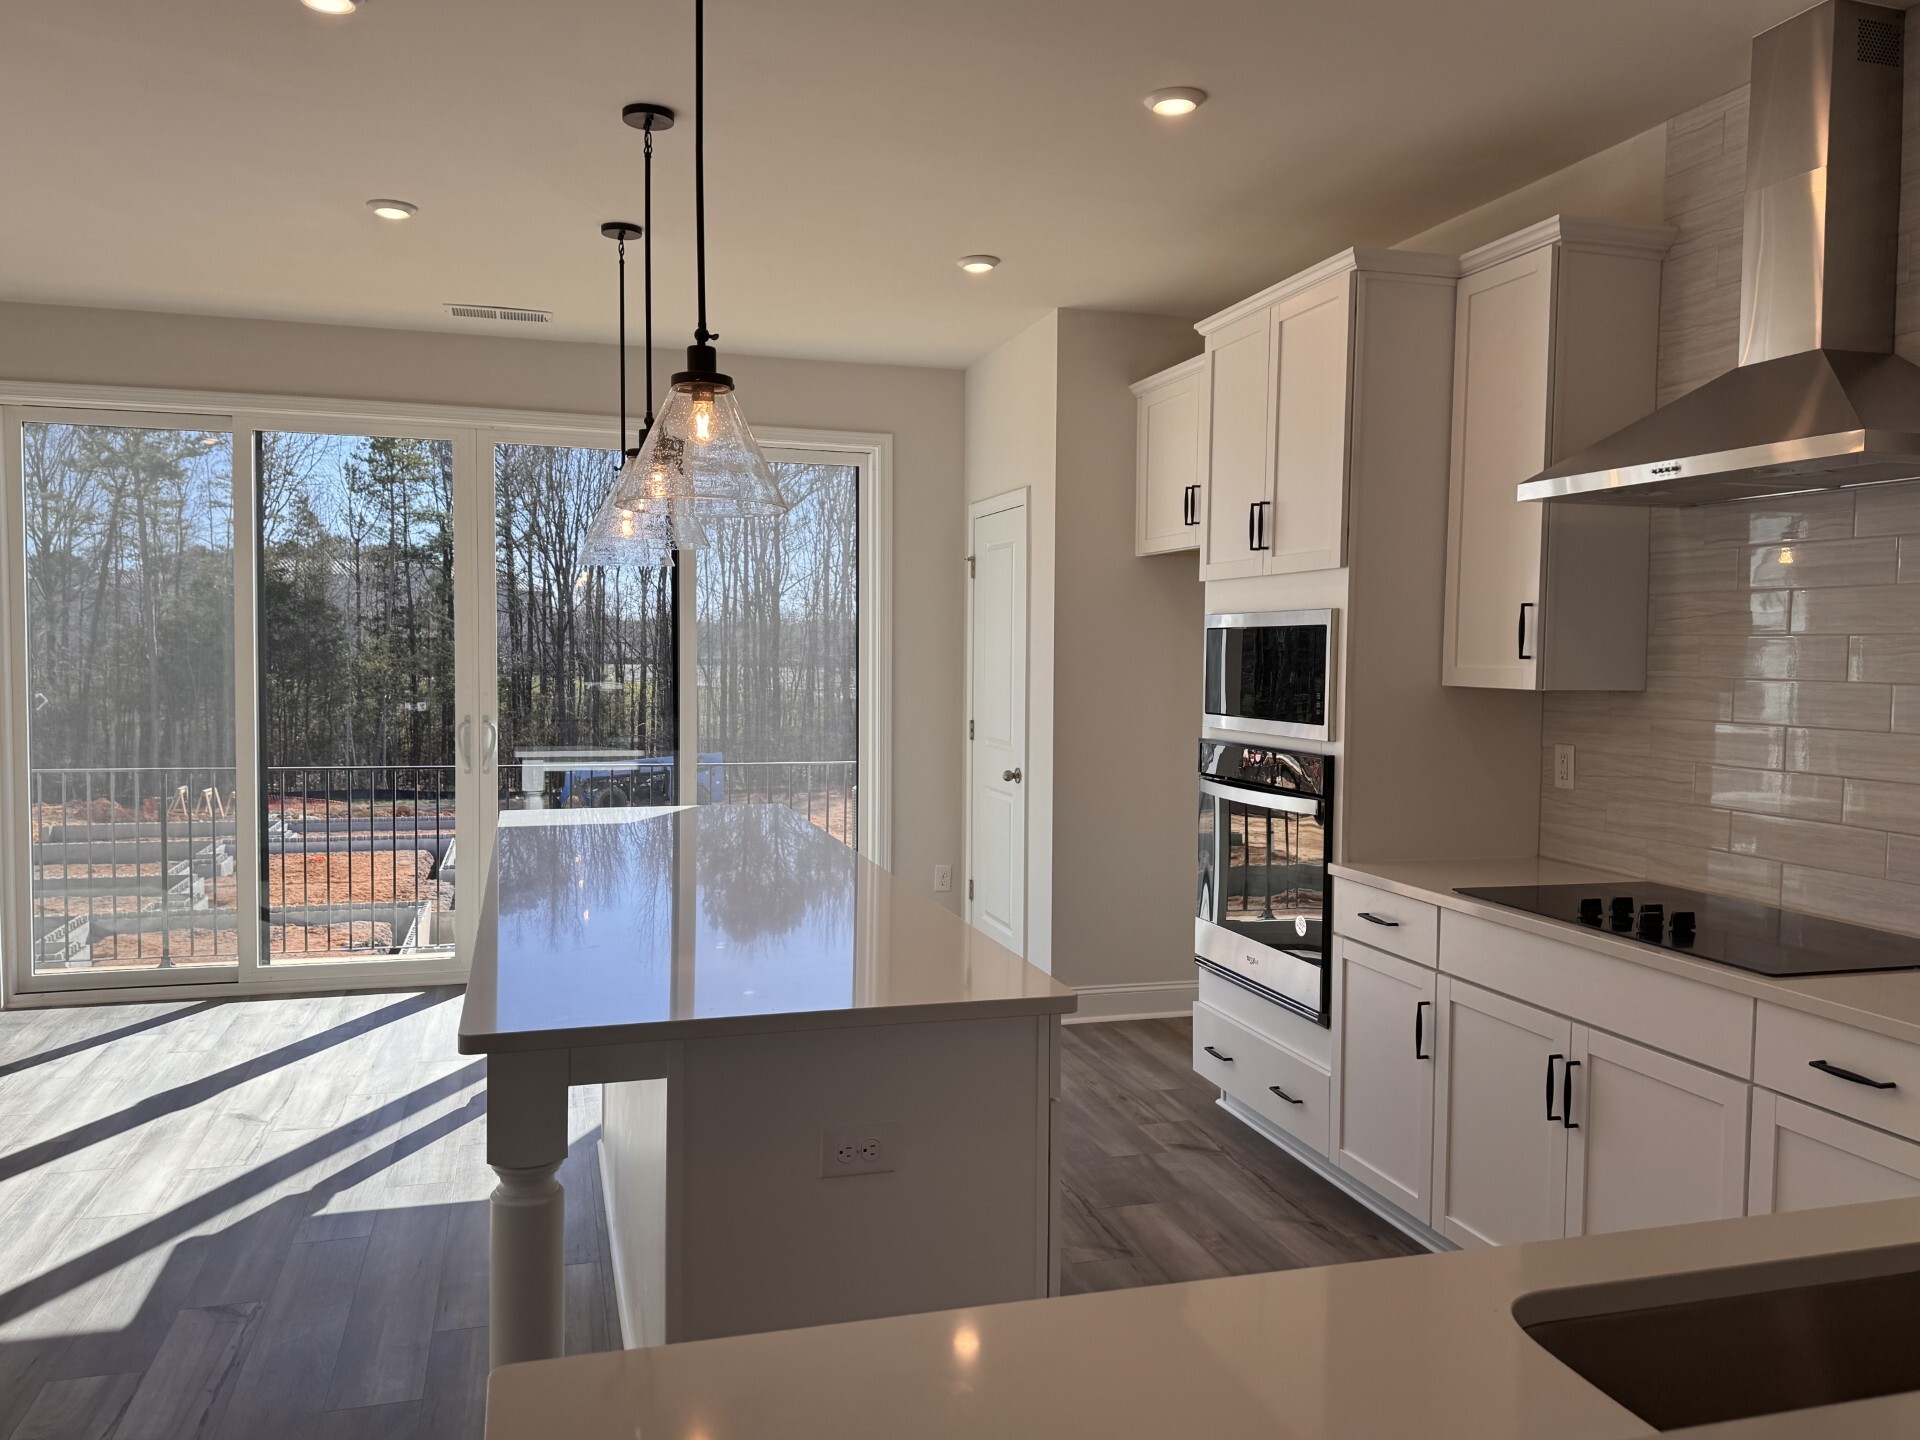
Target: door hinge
x,y
969,888
969,729
970,567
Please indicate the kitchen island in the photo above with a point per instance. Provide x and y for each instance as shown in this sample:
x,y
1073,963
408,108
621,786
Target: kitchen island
x,y
825,1097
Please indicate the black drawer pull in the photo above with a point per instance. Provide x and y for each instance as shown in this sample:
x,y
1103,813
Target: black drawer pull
x,y
1838,1073
1550,1063
1368,915
1284,1096
1225,1059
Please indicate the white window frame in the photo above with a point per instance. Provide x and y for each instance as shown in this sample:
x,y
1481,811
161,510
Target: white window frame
x,y
473,432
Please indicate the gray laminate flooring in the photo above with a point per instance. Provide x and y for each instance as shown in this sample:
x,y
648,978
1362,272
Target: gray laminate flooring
x,y
266,1219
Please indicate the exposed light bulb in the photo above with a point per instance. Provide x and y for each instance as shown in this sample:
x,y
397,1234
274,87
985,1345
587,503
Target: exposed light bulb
x,y
1176,100
1786,555
702,419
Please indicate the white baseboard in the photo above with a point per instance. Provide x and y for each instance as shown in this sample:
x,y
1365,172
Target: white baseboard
x,y
628,1330
1155,1000
1336,1177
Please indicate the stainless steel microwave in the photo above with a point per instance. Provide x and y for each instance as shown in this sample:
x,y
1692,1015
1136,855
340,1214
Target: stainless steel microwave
x,y
1267,673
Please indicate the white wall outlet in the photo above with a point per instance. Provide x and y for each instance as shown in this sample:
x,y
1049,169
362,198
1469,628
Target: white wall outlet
x,y
1563,767
942,878
859,1150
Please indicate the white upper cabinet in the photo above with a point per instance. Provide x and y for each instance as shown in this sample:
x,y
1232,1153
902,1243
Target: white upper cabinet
x,y
1277,405
1167,484
1556,334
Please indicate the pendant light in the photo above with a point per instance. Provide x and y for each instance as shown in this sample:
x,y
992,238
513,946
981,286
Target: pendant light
x,y
699,454
627,530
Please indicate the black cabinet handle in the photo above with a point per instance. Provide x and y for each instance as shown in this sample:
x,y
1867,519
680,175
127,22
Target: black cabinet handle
x,y
1369,915
1190,513
1420,1030
1263,507
1225,1059
1857,1079
1284,1096
1521,643
1550,1063
1566,1095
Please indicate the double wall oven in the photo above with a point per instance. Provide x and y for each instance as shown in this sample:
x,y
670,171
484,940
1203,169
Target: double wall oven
x,y
1266,835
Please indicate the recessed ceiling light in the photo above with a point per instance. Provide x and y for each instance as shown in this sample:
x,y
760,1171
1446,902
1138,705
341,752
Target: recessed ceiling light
x,y
978,264
1176,100
393,209
332,7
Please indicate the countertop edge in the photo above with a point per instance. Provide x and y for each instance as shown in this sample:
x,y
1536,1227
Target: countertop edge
x,y
723,1026
1704,971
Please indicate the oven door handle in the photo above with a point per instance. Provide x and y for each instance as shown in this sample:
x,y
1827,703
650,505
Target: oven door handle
x,y
1261,799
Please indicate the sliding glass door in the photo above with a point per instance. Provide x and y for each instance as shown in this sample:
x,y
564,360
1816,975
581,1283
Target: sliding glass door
x,y
130,805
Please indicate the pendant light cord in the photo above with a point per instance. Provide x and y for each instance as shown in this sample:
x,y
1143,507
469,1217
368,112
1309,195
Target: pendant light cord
x,y
701,335
646,241
623,342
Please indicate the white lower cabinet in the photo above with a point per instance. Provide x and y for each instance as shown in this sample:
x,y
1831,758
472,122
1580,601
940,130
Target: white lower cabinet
x,y
1652,1140
1804,1159
1383,1106
1499,1145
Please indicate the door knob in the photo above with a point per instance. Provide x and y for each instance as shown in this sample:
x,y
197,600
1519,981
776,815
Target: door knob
x,y
1013,775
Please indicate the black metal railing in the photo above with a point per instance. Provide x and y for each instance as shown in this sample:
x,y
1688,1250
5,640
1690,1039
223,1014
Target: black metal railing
x,y
825,791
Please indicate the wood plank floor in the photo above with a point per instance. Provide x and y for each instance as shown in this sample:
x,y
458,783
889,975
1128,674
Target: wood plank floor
x,y
266,1219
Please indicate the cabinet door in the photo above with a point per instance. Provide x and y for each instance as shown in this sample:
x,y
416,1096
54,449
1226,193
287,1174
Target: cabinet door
x,y
1383,1113
1503,341
1652,1140
1307,525
1167,503
1804,1159
1499,1148
1238,438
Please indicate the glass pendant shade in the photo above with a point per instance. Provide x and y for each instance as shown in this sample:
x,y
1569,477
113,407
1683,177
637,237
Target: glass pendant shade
x,y
700,455
638,523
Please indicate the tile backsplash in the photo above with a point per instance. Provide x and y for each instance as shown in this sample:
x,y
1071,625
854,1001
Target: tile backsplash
x,y
1775,754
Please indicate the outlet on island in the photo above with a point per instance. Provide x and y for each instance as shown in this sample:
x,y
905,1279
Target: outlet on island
x,y
859,1150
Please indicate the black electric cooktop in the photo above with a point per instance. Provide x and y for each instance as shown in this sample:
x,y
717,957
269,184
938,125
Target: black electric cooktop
x,y
1733,932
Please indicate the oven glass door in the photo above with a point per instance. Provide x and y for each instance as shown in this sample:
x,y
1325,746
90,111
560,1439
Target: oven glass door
x,y
1263,869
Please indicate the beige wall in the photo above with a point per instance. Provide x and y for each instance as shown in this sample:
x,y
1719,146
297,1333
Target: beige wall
x,y
1113,645
921,408
1011,445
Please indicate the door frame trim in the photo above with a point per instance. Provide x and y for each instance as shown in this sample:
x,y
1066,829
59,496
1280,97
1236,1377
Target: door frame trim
x,y
1007,500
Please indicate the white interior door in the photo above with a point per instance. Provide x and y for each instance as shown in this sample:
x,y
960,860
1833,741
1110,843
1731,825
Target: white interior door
x,y
997,724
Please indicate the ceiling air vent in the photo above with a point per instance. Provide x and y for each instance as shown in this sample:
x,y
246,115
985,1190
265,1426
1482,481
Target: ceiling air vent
x,y
500,312
1876,42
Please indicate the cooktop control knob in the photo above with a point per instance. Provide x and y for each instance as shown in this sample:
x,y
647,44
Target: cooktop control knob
x,y
1622,909
1683,927
1590,910
1653,921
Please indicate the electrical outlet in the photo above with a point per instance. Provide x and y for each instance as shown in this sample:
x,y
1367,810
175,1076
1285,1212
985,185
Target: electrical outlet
x,y
859,1150
1563,767
942,878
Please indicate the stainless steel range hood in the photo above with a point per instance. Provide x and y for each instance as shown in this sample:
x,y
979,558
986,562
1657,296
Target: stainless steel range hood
x,y
1819,400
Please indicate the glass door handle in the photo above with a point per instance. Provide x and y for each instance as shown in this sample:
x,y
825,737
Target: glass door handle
x,y
463,743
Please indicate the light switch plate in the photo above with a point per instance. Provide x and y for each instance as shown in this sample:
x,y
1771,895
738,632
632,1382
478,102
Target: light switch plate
x,y
1563,767
859,1150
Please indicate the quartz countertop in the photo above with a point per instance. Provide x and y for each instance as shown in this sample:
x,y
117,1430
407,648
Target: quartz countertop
x,y
1425,1346
716,919
1887,1002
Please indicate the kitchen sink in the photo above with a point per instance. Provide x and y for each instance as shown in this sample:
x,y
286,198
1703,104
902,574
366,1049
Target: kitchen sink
x,y
1713,1345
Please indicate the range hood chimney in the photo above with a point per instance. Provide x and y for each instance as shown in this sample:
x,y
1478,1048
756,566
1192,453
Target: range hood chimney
x,y
1819,401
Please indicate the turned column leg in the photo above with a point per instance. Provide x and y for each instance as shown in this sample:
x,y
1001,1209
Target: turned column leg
x,y
526,1306
526,1141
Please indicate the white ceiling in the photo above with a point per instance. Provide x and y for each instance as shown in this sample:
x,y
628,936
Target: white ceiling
x,y
215,155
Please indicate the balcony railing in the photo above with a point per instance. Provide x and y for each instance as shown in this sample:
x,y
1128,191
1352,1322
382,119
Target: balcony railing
x,y
825,791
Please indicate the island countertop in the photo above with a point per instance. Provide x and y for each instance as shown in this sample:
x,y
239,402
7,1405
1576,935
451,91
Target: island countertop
x,y
693,921
1426,1346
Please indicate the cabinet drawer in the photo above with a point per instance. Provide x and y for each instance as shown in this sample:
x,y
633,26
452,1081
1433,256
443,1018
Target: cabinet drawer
x,y
1787,1043
1267,1020
1403,927
1682,1017
1283,1087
